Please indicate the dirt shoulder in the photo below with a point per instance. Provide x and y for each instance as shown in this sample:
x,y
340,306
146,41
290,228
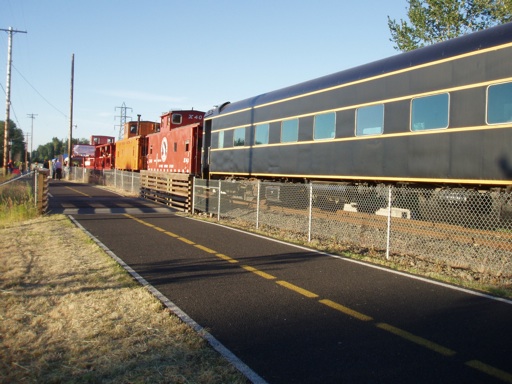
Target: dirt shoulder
x,y
69,313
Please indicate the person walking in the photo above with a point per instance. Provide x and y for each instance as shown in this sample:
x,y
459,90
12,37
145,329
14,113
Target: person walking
x,y
58,169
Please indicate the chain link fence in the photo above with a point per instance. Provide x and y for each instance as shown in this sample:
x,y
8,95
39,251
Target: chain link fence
x,y
464,229
126,181
31,185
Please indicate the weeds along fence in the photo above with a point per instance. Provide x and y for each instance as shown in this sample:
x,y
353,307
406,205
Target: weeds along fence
x,y
32,185
461,228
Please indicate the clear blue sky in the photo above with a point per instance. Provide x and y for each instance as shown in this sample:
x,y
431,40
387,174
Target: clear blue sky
x,y
160,55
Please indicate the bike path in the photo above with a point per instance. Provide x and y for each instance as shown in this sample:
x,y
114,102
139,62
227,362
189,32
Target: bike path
x,y
297,316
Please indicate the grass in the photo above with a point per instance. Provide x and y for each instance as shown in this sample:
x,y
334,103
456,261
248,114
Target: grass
x,y
16,202
70,314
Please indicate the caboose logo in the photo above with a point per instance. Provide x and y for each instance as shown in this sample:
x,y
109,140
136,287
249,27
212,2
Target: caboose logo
x,y
163,149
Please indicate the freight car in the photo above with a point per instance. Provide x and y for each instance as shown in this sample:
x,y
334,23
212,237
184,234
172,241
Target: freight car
x,y
434,117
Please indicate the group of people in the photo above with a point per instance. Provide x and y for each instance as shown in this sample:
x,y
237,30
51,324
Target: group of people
x,y
15,168
55,168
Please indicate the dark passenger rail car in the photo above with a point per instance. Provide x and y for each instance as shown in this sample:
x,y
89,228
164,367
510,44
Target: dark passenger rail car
x,y
434,116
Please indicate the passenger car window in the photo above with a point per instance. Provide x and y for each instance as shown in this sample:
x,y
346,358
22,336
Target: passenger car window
x,y
370,120
290,131
324,126
430,112
261,136
499,103
221,140
239,137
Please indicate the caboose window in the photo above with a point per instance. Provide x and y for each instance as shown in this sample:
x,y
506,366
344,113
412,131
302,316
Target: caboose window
x,y
499,103
176,118
430,112
239,137
261,136
324,126
290,131
370,120
187,146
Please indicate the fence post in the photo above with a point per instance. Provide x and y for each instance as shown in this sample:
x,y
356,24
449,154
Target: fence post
x,y
36,188
310,211
389,222
218,202
193,182
258,206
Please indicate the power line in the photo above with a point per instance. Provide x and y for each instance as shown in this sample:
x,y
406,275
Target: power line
x,y
39,93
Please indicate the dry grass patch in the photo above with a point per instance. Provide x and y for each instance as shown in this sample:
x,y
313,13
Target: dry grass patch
x,y
70,314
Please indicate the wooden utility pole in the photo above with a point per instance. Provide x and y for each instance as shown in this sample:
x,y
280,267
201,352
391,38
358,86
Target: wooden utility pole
x,y
10,31
70,145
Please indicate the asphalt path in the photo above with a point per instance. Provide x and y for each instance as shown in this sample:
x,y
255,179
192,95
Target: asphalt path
x,y
293,315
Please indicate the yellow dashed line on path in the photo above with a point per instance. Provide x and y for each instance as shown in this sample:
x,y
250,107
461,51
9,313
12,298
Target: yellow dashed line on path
x,y
416,339
206,249
491,371
345,310
258,272
475,364
77,191
300,290
185,240
227,258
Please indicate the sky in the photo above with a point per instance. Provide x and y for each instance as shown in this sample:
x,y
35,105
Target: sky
x,y
161,55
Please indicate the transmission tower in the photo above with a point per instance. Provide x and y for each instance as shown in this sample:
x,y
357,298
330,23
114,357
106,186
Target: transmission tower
x,y
122,119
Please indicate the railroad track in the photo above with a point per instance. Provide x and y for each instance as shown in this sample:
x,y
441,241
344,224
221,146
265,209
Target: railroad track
x,y
495,239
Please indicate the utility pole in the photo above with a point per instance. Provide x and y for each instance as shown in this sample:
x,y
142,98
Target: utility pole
x,y
10,31
122,119
26,153
31,116
70,144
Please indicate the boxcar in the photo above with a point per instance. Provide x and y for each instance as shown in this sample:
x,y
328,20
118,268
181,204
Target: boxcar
x,y
439,115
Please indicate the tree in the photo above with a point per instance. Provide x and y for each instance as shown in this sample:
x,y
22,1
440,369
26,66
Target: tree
x,y
17,150
54,148
432,21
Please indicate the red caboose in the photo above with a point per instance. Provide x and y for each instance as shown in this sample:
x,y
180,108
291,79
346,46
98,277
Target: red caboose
x,y
98,140
177,147
104,157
